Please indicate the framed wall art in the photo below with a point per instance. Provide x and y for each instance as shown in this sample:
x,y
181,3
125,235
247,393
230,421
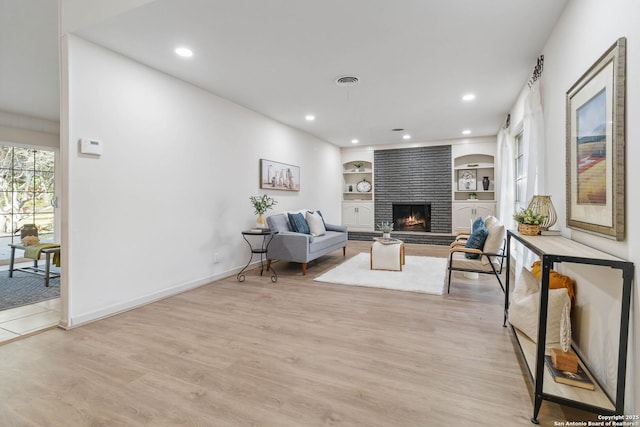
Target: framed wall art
x,y
595,146
467,180
279,176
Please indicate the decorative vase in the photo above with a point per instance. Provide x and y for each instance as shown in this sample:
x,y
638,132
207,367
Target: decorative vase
x,y
528,229
260,222
485,183
386,235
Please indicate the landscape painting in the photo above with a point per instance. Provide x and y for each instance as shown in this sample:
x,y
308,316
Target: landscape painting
x,y
595,146
591,144
279,176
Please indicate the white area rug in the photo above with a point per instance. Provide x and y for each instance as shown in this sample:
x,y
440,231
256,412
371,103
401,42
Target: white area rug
x,y
419,274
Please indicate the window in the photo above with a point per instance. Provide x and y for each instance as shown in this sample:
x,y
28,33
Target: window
x,y
26,192
520,176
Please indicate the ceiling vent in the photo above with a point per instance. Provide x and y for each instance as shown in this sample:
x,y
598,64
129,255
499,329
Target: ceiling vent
x,y
347,81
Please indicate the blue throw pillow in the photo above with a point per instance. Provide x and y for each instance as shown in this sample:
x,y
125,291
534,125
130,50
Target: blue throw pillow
x,y
476,240
298,223
479,222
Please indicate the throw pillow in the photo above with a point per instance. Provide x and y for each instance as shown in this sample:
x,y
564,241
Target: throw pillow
x,y
523,315
316,224
494,241
556,280
298,223
489,221
476,240
526,284
477,223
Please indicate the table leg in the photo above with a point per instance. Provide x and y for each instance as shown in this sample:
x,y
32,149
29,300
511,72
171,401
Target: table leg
x,y
47,267
12,259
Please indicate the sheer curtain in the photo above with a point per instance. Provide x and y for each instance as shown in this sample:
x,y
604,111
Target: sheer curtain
x,y
533,143
505,191
534,157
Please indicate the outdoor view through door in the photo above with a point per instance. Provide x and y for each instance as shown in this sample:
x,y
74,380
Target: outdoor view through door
x,y
26,192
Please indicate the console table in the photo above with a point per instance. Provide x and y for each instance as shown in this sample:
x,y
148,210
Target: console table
x,y
556,249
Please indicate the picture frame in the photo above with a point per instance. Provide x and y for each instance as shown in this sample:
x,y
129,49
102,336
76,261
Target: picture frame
x,y
467,180
595,146
279,176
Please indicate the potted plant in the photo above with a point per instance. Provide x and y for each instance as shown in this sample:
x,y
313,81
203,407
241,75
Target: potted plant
x,y
386,227
473,195
529,221
260,205
357,166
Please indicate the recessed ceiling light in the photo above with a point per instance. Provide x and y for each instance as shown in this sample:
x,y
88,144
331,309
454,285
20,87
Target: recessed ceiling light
x,y
469,97
185,52
466,132
309,117
406,136
354,141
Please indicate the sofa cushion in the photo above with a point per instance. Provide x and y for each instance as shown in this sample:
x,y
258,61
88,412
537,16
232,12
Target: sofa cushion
x,y
298,223
278,223
327,240
316,224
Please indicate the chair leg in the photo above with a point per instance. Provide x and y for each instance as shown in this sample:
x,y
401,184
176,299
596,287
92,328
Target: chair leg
x,y
344,251
497,276
268,264
304,268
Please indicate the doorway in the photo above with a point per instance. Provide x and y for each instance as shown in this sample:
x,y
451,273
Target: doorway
x,y
27,199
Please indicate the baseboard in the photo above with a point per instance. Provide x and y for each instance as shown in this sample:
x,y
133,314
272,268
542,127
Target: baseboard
x,y
122,307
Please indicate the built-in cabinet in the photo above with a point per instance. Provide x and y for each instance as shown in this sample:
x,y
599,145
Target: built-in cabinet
x,y
358,215
358,194
464,213
473,190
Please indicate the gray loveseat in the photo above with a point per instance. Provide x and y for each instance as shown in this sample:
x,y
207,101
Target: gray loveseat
x,y
291,246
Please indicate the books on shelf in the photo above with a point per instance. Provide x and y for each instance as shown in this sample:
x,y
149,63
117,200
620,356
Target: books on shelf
x,y
579,379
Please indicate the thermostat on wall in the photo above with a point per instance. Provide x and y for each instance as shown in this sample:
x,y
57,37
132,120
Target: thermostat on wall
x,y
90,146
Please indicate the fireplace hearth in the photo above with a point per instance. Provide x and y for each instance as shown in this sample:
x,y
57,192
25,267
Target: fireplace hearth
x,y
411,216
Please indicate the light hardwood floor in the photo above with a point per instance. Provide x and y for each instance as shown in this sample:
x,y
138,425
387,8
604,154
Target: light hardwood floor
x,y
291,353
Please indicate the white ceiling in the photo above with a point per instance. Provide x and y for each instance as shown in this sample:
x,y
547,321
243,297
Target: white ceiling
x,y
415,59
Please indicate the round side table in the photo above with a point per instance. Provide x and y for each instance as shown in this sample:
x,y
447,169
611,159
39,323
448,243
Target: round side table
x,y
258,247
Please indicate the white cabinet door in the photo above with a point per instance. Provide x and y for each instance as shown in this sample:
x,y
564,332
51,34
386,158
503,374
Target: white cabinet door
x,y
462,214
465,213
365,216
357,215
349,215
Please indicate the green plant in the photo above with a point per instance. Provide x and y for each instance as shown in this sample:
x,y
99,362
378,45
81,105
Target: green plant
x,y
358,165
385,226
473,195
262,203
529,216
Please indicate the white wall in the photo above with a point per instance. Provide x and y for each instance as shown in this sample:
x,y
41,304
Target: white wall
x,y
172,187
585,31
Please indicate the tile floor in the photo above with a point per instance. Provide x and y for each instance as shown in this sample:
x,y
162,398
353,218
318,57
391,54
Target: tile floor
x,y
28,319
25,320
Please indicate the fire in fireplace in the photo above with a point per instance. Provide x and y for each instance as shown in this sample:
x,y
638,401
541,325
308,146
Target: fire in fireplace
x,y
412,216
